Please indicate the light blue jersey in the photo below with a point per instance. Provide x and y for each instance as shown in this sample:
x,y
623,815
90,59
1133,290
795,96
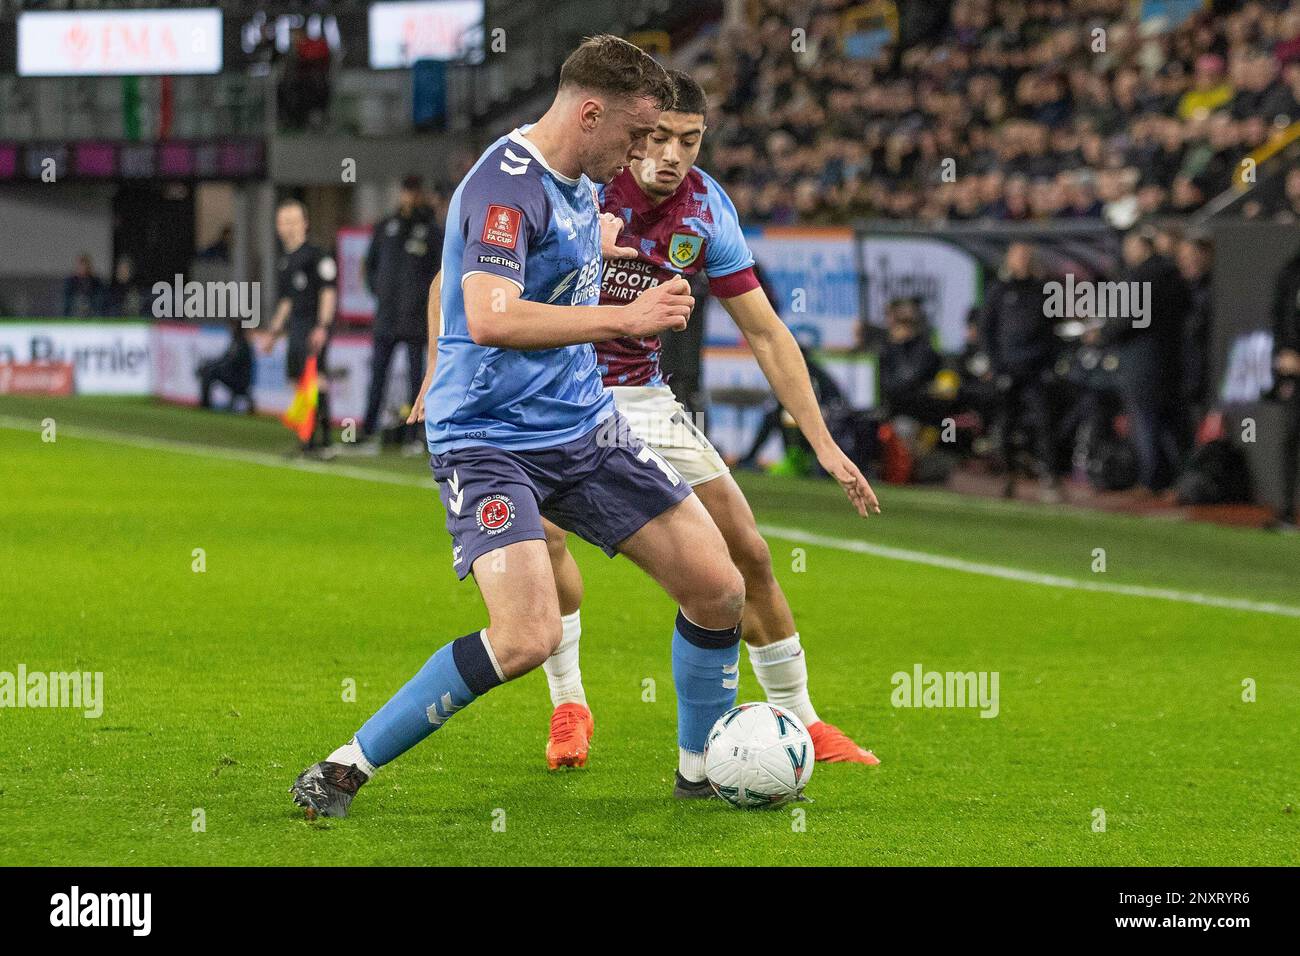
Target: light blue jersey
x,y
515,217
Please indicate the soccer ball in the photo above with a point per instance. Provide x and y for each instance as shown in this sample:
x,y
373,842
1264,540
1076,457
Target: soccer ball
x,y
758,755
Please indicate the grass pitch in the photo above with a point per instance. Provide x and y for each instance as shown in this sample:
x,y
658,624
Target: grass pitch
x,y
221,685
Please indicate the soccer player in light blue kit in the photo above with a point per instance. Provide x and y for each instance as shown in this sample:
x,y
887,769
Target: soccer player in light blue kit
x,y
518,426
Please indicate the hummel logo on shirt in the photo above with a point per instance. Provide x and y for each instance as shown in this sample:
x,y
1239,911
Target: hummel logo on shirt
x,y
519,170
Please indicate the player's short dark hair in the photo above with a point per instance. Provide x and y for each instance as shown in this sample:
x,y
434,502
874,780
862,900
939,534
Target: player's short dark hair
x,y
290,201
688,96
608,64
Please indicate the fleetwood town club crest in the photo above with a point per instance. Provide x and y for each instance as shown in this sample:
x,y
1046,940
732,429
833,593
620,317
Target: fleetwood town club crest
x,y
495,514
683,248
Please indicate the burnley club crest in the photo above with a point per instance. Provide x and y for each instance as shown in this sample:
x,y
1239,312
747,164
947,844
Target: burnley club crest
x,y
683,248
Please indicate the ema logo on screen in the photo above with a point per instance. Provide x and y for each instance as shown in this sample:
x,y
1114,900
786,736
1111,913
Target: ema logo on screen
x,y
133,910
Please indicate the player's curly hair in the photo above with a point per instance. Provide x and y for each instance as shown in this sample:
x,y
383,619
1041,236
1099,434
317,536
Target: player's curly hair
x,y
609,64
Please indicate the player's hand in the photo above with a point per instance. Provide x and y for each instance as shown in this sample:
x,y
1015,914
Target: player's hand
x,y
855,485
610,227
664,307
417,407
317,340
1287,362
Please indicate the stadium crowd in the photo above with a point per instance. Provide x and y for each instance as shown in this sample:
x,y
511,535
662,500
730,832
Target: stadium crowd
x,y
1028,111
1049,110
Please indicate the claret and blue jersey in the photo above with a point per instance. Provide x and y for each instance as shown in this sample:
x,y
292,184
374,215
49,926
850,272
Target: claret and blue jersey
x,y
695,229
516,218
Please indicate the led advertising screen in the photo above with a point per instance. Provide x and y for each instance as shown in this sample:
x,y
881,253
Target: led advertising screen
x,y
401,33
119,43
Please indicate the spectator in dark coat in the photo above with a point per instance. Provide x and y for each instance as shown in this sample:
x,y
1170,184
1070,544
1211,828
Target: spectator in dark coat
x,y
125,296
1017,336
83,291
1287,206
1150,353
1194,257
1286,373
401,263
233,369
908,363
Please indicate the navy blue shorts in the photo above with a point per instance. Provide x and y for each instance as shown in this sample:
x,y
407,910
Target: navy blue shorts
x,y
603,487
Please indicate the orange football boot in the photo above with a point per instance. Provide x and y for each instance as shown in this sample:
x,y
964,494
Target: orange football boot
x,y
571,728
832,745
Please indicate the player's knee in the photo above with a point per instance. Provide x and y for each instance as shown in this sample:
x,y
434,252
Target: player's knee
x,y
719,598
733,596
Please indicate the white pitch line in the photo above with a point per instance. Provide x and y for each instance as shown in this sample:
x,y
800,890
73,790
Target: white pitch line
x,y
789,534
1025,577
223,454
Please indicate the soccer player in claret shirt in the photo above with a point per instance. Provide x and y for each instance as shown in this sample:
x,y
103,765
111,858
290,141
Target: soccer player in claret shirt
x,y
676,220
518,424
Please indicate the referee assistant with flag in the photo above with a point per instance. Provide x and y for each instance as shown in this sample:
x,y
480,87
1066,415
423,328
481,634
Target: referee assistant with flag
x,y
306,286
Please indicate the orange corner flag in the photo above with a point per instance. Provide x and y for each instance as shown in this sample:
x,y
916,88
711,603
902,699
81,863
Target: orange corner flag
x,y
300,416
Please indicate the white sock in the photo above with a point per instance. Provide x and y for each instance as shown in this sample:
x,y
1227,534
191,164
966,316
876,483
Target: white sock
x,y
349,754
782,672
562,672
690,765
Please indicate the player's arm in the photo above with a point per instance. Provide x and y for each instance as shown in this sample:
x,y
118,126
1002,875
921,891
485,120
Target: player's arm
x,y
499,292
435,324
329,300
329,297
498,317
783,364
278,322
326,304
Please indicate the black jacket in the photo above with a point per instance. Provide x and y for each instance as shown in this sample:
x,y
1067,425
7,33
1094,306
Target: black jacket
x,y
906,369
401,262
1016,332
1151,358
1197,330
1286,308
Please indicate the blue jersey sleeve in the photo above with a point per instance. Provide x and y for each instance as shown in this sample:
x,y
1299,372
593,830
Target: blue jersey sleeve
x,y
726,251
503,209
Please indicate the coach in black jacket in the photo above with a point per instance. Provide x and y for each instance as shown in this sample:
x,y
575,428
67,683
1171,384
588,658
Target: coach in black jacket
x,y
1286,375
1150,353
1018,337
400,264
